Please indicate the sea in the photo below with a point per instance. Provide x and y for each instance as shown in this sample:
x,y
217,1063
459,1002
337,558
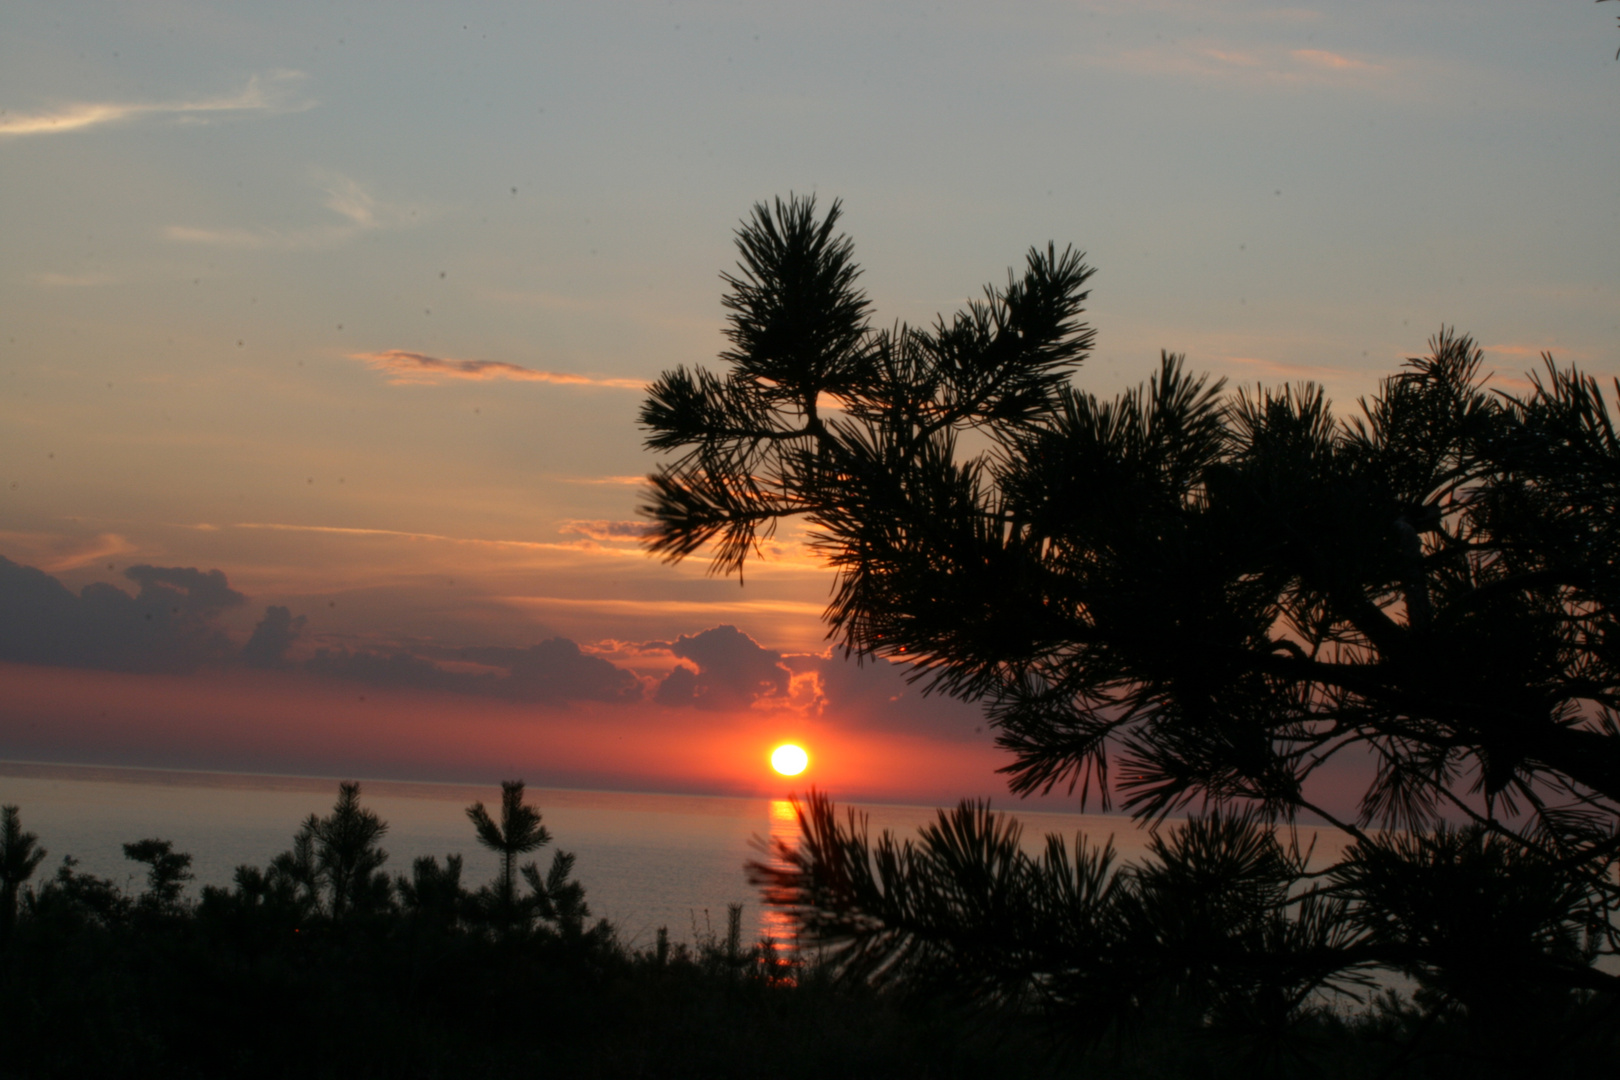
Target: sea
x,y
646,860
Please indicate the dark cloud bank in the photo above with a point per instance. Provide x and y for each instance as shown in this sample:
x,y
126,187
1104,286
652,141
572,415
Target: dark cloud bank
x,y
169,626
727,669
553,672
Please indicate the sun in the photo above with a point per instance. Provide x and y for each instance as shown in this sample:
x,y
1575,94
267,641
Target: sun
x,y
789,760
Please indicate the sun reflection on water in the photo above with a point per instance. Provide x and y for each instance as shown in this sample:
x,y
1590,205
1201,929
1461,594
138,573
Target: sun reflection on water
x,y
784,830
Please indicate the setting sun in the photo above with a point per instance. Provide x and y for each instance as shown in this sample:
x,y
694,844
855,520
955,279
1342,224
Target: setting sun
x,y
789,760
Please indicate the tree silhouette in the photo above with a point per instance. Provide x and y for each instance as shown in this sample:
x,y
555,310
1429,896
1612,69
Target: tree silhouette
x,y
346,856
296,871
518,833
20,856
1183,597
557,899
433,893
167,872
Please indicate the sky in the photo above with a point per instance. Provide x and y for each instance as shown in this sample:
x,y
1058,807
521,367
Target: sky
x,y
323,330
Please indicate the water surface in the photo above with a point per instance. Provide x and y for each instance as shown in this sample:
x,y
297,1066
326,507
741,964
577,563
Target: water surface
x,y
646,860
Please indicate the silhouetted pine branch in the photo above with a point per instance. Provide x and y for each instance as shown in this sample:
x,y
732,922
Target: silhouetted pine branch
x,y
1181,598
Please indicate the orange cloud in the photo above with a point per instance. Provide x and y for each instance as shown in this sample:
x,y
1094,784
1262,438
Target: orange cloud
x,y
403,368
345,530
1562,354
54,553
665,607
626,481
1287,370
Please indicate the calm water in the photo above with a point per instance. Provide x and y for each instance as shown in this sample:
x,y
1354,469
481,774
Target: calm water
x,y
645,860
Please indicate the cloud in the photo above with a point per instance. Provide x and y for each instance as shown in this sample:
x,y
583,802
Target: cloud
x,y
1263,64
553,672
670,607
626,481
239,238
395,669
413,368
1332,61
584,547
166,626
1516,350
556,671
270,93
1561,354
876,695
609,530
724,669
171,626
271,639
55,553
201,592
733,672
345,196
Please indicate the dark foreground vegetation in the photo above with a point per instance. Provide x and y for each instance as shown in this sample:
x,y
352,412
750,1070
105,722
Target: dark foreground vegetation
x,y
324,965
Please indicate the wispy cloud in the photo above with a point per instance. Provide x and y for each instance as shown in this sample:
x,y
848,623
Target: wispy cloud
x,y
408,368
271,93
1332,61
1522,361
1263,64
341,530
55,553
626,481
609,530
1528,351
1287,370
345,196
706,608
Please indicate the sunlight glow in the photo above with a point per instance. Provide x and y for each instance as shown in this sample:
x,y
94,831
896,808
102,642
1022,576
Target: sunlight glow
x,y
789,760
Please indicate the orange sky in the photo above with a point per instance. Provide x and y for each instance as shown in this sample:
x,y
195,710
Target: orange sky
x,y
301,724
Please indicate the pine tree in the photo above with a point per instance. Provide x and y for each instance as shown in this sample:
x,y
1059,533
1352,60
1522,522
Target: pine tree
x,y
1184,598
346,856
518,833
20,856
